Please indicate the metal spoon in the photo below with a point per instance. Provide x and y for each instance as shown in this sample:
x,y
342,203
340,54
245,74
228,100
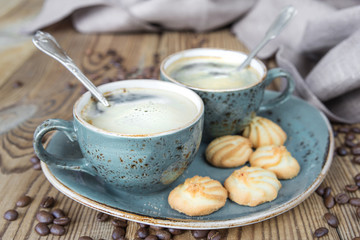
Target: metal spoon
x,y
47,44
276,27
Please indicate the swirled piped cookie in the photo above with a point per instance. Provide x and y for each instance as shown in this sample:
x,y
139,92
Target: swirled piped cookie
x,y
198,196
229,151
276,159
252,186
262,132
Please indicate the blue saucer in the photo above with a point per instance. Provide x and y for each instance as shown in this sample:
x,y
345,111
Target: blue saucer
x,y
310,141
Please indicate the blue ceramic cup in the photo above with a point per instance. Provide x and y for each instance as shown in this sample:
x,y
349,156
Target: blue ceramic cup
x,y
228,111
139,163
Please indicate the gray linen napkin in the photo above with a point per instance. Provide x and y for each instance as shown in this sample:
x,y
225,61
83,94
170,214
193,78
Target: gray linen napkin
x,y
320,47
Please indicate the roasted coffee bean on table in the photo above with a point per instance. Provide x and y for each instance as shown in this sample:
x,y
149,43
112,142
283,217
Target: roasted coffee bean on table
x,y
155,227
342,198
355,130
320,232
163,234
327,192
175,231
63,221
354,201
44,217
34,160
57,230
331,219
11,215
342,151
118,232
102,217
351,188
47,202
85,238
350,143
320,190
357,177
119,222
151,237
23,201
142,232
343,129
355,150
329,202
42,229
356,160
37,166
199,233
58,213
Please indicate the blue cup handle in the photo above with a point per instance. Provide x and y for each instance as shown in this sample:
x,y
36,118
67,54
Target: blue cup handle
x,y
284,96
67,128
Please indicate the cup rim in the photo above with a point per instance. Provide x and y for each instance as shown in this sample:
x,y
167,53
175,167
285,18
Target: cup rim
x,y
144,83
168,77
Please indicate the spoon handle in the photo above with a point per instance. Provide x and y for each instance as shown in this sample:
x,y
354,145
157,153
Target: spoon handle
x,y
276,27
47,44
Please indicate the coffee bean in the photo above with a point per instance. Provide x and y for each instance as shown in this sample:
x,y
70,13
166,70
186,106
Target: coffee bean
x,y
34,160
327,192
342,198
357,183
358,212
320,190
356,160
62,221
329,202
119,223
341,151
343,129
357,177
44,217
163,235
350,136
175,231
355,130
70,85
156,227
355,201
23,201
214,235
350,143
351,188
37,166
142,232
57,213
85,238
320,232
143,225
102,217
47,202
42,229
355,150
11,215
57,230
151,237
331,219
118,232
200,233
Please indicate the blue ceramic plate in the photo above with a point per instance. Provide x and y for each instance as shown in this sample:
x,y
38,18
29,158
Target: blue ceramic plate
x,y
310,141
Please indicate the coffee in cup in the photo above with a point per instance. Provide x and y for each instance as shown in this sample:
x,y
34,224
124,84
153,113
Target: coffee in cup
x,y
231,98
142,143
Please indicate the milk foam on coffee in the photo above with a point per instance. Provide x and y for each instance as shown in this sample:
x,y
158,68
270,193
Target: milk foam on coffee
x,y
141,111
213,74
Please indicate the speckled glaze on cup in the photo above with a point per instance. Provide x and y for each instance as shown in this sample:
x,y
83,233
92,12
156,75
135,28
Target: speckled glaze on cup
x,y
228,111
135,163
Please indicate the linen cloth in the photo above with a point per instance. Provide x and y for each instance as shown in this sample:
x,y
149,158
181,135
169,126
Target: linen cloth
x,y
320,47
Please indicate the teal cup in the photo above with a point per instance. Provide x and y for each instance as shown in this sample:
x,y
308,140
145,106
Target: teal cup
x,y
228,110
138,163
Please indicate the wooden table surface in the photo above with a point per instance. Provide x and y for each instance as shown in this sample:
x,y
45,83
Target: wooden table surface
x,y
34,87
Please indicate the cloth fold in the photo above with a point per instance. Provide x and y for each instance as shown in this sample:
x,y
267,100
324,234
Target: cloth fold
x,y
320,47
